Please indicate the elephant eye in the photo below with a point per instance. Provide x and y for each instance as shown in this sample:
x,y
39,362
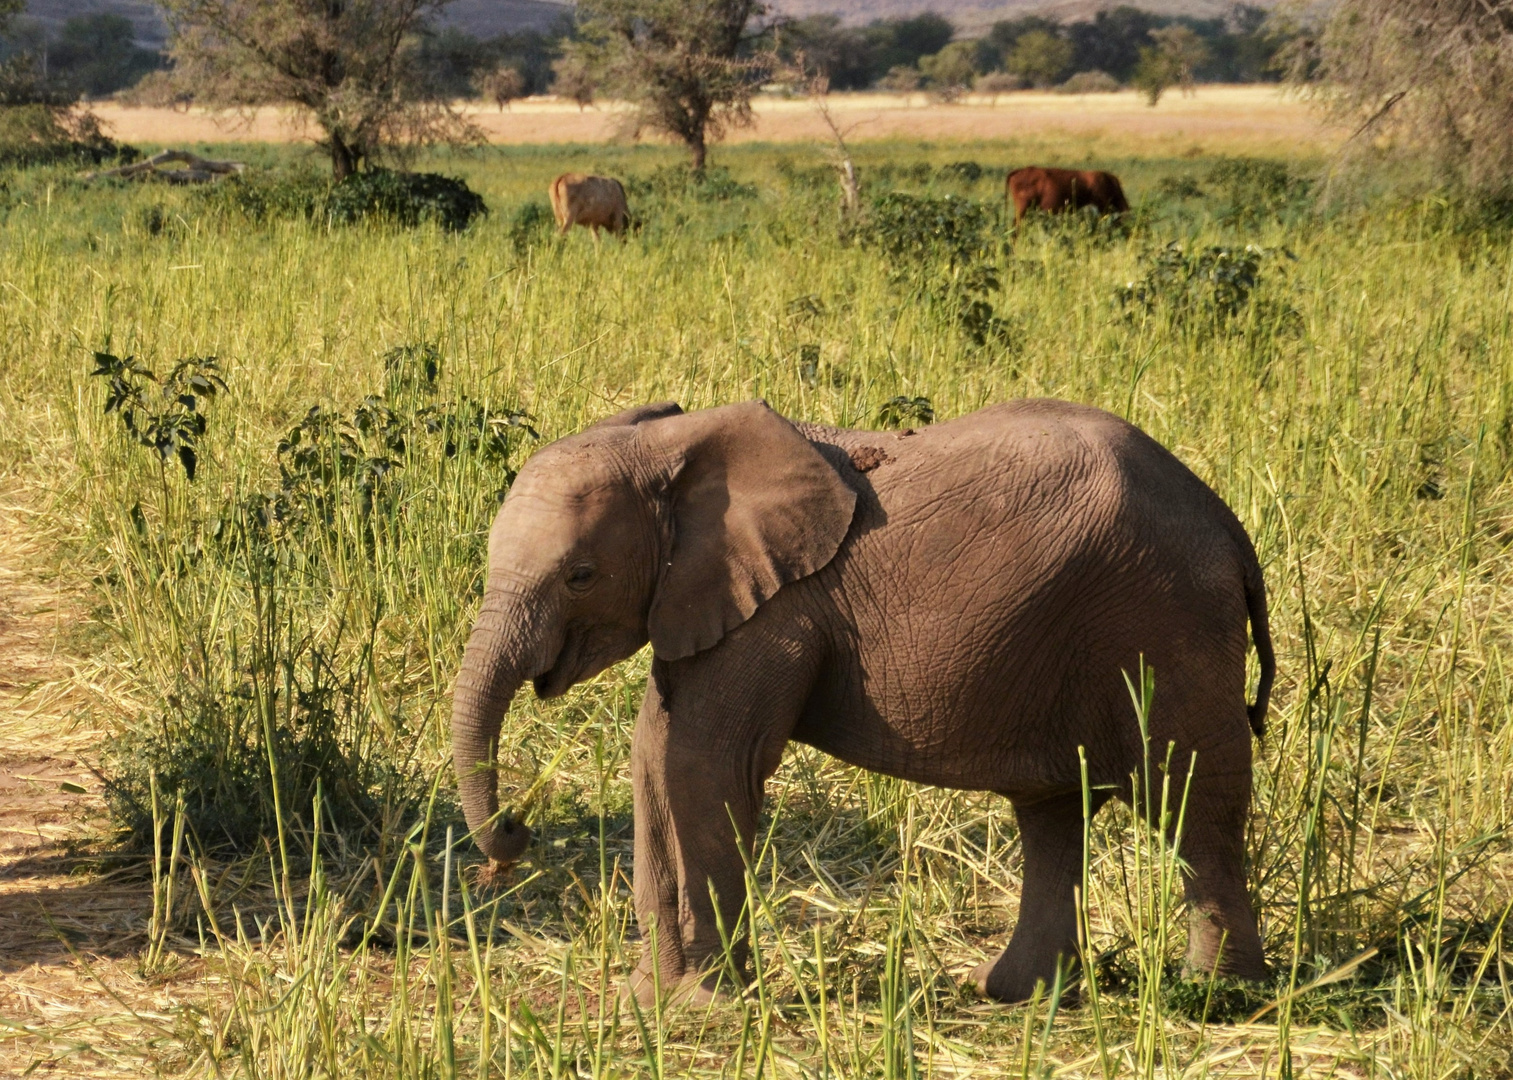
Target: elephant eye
x,y
580,574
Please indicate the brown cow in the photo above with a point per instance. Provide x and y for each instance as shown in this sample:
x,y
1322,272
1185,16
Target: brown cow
x,y
1056,190
596,202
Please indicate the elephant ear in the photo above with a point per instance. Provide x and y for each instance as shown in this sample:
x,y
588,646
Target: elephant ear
x,y
752,506
640,414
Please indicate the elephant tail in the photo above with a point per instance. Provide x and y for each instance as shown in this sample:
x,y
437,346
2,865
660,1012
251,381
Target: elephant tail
x,y
1260,631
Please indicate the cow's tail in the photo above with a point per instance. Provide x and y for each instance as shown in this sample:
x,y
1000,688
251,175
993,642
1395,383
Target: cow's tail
x,y
625,222
1260,623
559,200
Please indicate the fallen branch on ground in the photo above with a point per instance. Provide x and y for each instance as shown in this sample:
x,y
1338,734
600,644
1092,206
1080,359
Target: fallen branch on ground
x,y
197,170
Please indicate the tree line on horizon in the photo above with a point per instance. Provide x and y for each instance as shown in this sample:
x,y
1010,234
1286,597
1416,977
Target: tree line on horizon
x,y
96,55
1424,78
1118,46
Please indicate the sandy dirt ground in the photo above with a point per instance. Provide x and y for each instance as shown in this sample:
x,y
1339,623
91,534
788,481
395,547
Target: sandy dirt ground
x,y
71,927
1252,117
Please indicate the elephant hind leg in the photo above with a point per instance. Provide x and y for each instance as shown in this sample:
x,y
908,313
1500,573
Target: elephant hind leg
x,y
1222,934
1045,936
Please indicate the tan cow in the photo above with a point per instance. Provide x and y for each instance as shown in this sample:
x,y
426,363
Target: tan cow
x,y
596,202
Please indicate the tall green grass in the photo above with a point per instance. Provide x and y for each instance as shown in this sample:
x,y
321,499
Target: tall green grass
x,y
289,631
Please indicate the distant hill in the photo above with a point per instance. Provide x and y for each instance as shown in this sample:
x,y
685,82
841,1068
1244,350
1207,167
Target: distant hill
x,y
976,15
489,18
146,18
481,18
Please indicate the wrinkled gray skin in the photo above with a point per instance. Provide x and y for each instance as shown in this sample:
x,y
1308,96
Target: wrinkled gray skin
x,y
954,606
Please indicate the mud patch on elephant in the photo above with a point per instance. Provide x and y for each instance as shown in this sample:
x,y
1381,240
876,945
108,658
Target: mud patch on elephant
x,y
866,458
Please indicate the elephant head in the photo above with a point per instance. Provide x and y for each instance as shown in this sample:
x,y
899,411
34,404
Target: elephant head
x,y
651,525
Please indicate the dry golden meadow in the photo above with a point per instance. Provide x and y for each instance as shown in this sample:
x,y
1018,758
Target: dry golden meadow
x,y
289,621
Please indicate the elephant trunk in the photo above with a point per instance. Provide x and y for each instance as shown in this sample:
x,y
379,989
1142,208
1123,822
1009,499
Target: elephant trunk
x,y
491,673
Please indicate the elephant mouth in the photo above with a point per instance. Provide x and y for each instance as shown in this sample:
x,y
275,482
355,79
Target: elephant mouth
x,y
564,672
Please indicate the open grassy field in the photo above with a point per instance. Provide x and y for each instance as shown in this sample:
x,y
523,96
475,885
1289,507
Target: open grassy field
x,y
297,611
1228,119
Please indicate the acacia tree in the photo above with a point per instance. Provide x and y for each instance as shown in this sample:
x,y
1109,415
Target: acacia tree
x,y
1432,75
347,64
1177,53
572,79
951,70
503,85
687,66
1040,57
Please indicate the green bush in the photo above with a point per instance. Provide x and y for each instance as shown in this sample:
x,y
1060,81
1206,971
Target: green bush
x,y
937,247
963,172
674,182
45,134
403,198
530,221
915,229
220,749
1178,187
265,196
1209,287
918,172
380,195
292,709
1256,189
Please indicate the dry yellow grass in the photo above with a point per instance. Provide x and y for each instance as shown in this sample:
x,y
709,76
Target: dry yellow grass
x,y
70,929
1241,118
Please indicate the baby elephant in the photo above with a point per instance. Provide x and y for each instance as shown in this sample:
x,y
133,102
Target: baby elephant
x,y
956,606
597,202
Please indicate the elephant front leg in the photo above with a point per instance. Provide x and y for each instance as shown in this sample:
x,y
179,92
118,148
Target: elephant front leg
x,y
1045,936
692,800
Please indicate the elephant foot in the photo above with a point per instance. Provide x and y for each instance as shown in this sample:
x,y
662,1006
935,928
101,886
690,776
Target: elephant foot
x,y
1000,979
1208,965
693,989
1217,952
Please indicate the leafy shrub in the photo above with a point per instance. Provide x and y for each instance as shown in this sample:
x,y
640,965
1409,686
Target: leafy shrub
x,y
530,221
937,247
1256,188
265,196
918,172
965,172
901,410
1178,187
294,705
403,198
173,429
805,177
411,367
47,134
910,230
1208,287
998,82
154,220
220,751
674,182
1469,214
380,195
1089,82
